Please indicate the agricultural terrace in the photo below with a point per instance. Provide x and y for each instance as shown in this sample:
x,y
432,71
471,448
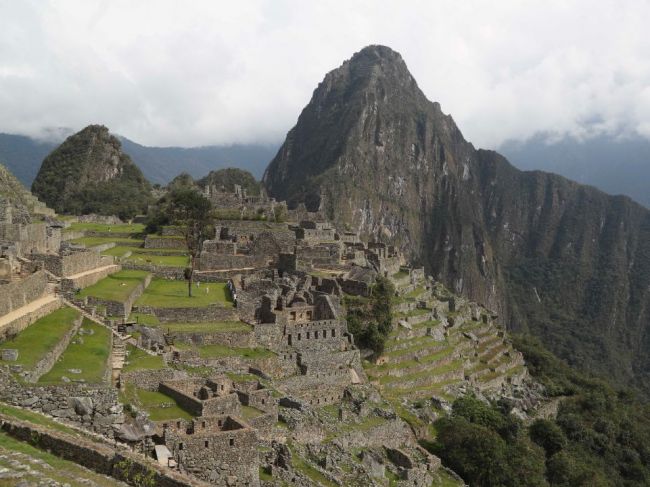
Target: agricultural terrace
x,y
116,287
163,293
85,359
39,338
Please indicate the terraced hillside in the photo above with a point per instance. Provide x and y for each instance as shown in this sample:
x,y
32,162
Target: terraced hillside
x,y
441,346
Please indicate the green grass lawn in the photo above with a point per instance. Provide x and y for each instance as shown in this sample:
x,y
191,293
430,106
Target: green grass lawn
x,y
92,241
90,357
99,227
224,326
163,293
162,260
116,287
140,360
218,351
159,406
40,337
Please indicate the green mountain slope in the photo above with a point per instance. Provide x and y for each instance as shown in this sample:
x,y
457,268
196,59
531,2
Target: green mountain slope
x,y
89,173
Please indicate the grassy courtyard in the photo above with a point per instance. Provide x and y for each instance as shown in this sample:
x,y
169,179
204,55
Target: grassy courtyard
x,y
161,260
87,353
159,406
40,337
140,360
163,293
116,287
219,327
219,351
99,227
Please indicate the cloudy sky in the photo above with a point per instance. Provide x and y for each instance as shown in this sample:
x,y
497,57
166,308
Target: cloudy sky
x,y
166,72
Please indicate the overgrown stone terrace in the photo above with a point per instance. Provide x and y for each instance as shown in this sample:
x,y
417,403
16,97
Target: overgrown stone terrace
x,y
256,379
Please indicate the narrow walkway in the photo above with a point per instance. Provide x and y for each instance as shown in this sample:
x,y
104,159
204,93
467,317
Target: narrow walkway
x,y
92,271
27,309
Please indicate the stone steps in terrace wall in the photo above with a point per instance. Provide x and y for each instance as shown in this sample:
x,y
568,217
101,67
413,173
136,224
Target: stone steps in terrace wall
x,y
20,318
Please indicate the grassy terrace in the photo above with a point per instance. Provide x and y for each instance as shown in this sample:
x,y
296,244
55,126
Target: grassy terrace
x,y
432,372
40,337
217,327
432,357
140,360
218,351
162,293
99,227
90,356
47,464
415,344
159,406
116,287
161,260
92,241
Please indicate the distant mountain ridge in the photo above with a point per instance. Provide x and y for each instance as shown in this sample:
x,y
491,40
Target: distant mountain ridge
x,y
23,157
613,164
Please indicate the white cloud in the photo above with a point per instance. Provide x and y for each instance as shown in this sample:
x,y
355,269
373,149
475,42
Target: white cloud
x,y
166,72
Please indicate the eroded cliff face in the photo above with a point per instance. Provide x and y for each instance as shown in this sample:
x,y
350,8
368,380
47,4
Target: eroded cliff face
x,y
561,260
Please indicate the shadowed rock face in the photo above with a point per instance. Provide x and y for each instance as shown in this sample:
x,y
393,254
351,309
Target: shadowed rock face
x,y
89,173
564,261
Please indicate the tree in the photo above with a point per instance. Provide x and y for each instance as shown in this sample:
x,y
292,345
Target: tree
x,y
190,210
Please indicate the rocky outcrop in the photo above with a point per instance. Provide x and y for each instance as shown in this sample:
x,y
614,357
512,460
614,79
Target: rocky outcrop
x,y
564,261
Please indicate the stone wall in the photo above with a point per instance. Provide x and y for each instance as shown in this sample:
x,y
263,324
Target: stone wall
x,y
95,407
19,324
210,261
151,379
226,457
73,263
207,314
166,272
121,464
72,285
17,294
116,308
237,339
47,362
227,404
156,242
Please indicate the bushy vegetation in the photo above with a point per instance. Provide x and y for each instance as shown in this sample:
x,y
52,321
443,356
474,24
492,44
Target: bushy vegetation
x,y
600,437
225,180
370,320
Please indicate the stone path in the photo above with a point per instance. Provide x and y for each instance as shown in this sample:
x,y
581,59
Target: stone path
x,y
27,309
90,272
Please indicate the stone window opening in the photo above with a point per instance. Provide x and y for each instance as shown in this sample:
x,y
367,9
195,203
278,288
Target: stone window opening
x,y
333,333
324,333
219,422
232,442
307,335
207,444
203,424
178,424
263,401
298,336
180,446
316,335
